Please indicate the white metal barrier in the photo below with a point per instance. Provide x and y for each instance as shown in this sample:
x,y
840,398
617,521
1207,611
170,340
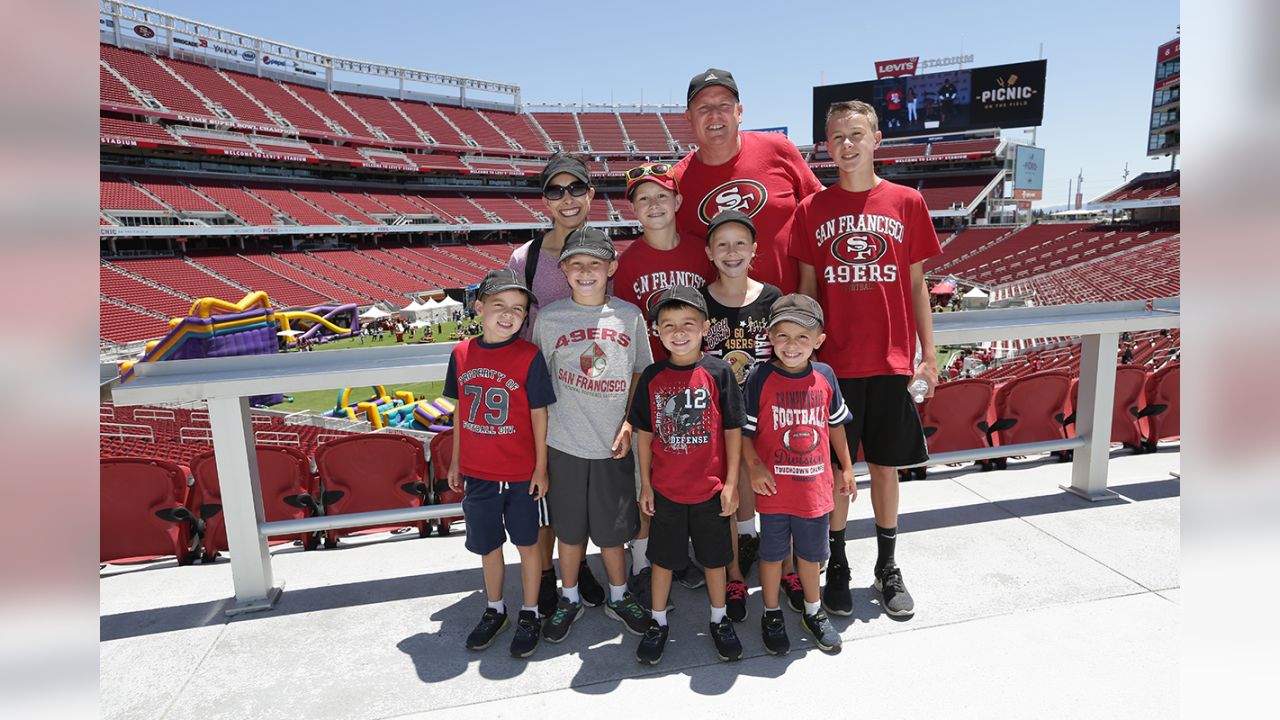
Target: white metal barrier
x,y
195,434
153,414
227,383
127,431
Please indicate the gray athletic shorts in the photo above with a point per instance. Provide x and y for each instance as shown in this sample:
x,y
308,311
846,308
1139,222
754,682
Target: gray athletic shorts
x,y
592,498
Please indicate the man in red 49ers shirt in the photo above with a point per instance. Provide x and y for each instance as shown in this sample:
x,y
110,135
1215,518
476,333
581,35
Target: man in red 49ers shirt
x,y
760,174
861,245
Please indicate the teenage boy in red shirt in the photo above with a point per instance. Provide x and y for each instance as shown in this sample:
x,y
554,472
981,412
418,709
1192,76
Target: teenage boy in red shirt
x,y
861,245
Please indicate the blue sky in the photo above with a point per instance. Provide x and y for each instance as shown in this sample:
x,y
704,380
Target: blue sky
x,y
1097,102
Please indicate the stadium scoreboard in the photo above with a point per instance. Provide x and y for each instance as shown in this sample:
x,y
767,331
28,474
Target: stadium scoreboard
x,y
995,96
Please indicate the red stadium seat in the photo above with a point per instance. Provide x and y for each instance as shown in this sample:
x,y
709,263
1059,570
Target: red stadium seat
x,y
1125,412
289,492
144,512
371,472
1164,405
1030,409
441,456
957,417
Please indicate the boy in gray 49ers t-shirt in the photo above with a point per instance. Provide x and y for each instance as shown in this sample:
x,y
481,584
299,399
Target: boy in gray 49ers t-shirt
x,y
595,347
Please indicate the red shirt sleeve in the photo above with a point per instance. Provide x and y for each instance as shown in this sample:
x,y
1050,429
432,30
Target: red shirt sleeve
x,y
923,239
800,245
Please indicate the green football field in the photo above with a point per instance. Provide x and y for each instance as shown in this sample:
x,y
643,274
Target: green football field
x,y
321,400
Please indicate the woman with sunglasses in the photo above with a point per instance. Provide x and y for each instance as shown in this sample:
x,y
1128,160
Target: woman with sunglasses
x,y
567,194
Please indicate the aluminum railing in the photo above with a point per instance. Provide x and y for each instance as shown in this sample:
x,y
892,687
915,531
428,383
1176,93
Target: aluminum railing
x,y
227,383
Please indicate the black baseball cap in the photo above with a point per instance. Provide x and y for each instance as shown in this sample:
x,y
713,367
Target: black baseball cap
x,y
588,241
708,78
561,163
799,309
501,280
679,295
730,216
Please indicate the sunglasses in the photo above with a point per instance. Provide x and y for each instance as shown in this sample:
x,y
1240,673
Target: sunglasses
x,y
636,173
577,188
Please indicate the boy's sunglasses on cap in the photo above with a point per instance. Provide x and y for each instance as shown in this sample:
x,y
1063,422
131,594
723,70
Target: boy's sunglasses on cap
x,y
577,188
654,169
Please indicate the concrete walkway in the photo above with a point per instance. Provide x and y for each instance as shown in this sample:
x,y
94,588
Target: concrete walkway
x,y
1031,603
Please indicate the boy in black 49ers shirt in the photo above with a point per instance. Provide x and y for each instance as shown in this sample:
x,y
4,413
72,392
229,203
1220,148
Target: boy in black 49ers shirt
x,y
791,402
502,389
861,246
688,413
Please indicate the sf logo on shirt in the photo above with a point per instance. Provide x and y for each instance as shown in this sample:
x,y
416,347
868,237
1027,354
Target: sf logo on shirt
x,y
745,196
856,255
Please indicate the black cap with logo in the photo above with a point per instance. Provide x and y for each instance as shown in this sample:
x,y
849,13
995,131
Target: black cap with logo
x,y
562,163
501,280
708,78
679,295
799,309
730,216
588,241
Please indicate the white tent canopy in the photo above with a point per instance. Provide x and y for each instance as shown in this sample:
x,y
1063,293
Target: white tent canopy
x,y
374,312
977,292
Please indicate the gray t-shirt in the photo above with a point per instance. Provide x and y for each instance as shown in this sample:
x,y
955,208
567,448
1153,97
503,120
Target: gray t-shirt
x,y
592,353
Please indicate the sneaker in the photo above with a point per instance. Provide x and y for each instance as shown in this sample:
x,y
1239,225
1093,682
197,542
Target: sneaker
x,y
629,613
836,596
735,593
728,647
773,627
894,598
491,623
590,591
556,627
748,552
691,576
653,643
819,626
641,586
548,595
526,637
794,591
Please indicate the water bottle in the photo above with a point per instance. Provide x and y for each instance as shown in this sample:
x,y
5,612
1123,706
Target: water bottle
x,y
918,389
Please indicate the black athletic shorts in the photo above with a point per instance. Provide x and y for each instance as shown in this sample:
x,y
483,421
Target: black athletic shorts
x,y
885,421
674,525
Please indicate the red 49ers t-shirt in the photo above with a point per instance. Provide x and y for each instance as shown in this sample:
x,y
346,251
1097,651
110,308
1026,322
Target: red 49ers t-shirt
x,y
687,408
496,387
645,271
861,246
788,415
765,180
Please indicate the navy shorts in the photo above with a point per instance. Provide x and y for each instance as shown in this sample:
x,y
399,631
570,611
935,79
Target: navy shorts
x,y
810,536
495,511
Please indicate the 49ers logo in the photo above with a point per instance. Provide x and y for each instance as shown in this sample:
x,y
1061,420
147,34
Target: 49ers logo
x,y
858,248
745,196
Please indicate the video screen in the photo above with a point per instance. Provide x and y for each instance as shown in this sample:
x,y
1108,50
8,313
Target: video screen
x,y
998,96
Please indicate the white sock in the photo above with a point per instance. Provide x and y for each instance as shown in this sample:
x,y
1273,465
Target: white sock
x,y
533,610
773,609
717,614
748,526
616,592
500,606
811,608
571,594
639,560
660,617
